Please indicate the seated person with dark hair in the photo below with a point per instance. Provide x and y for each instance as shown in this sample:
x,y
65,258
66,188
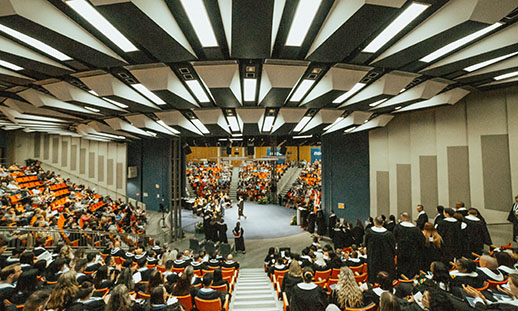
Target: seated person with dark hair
x,y
207,293
466,274
198,264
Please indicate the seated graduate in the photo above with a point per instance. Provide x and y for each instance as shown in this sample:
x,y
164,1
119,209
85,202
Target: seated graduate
x,y
347,293
488,269
291,278
510,302
305,258
80,267
159,301
269,260
215,260
506,263
180,262
85,300
352,259
439,277
466,274
218,279
183,285
320,264
26,284
334,260
230,263
279,266
308,296
102,278
197,264
208,293
385,282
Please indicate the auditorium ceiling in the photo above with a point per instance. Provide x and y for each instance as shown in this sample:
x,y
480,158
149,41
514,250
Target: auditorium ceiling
x,y
118,70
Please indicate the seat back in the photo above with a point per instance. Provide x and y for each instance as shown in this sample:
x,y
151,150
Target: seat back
x,y
322,275
321,283
358,269
178,270
198,273
334,273
279,273
203,272
207,305
186,302
332,281
141,295
361,278
220,288
227,273
372,306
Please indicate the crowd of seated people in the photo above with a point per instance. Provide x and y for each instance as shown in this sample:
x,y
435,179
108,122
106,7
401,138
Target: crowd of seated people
x,y
307,189
402,268
255,179
33,198
209,177
114,279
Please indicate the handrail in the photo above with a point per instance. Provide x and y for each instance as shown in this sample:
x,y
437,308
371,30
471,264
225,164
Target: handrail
x,y
76,238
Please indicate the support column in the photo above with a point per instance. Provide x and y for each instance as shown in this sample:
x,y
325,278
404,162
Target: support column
x,y
175,173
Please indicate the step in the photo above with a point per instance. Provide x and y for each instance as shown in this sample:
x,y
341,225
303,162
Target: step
x,y
244,292
261,297
254,304
253,287
257,309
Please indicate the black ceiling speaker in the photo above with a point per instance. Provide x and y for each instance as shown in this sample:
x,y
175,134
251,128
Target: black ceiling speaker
x,y
187,149
283,149
229,150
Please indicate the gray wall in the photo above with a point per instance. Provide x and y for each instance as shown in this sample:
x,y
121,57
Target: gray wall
x,y
464,152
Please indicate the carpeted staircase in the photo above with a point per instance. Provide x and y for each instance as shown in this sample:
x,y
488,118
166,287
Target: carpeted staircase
x,y
290,179
254,291
234,183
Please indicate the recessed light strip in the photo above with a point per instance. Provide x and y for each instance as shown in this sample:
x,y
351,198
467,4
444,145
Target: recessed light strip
x,y
303,88
199,18
167,127
302,123
458,43
249,86
146,92
340,99
302,21
198,91
398,24
489,62
47,49
232,122
268,124
116,103
506,75
95,19
334,123
200,126
11,66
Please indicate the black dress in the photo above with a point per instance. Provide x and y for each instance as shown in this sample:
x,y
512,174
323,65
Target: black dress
x,y
308,297
450,231
239,240
381,252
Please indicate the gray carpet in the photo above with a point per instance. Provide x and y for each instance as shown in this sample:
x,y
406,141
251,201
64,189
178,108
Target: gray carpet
x,y
263,222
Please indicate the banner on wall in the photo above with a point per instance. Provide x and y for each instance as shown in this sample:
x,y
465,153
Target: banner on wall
x,y
316,154
278,153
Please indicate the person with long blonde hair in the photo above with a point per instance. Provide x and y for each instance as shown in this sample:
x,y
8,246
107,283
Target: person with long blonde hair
x,y
119,299
347,293
291,278
65,291
432,247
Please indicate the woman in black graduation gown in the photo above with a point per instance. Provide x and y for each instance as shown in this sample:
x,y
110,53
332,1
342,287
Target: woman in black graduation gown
x,y
432,246
238,237
307,296
321,223
311,222
222,231
291,278
358,232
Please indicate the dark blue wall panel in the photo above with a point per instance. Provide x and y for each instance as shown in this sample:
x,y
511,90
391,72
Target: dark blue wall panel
x,y
345,175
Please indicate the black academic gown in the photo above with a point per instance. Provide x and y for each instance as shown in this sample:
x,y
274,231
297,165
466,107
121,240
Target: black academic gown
x,y
308,297
421,220
514,219
410,244
311,222
450,231
381,251
476,235
222,232
332,224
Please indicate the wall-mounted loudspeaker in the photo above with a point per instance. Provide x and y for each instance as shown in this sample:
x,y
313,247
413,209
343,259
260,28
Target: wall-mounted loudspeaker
x,y
250,150
283,150
187,149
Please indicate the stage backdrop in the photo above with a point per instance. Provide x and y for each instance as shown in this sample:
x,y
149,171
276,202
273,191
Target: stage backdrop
x,y
345,175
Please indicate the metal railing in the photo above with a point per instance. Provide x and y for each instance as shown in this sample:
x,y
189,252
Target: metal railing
x,y
25,237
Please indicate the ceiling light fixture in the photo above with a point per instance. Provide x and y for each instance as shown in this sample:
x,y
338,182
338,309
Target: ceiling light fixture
x,y
334,123
167,127
398,107
458,43
198,91
506,75
302,123
92,109
302,21
200,126
233,123
47,49
268,124
303,88
151,133
116,103
374,104
489,62
340,99
9,65
146,92
351,129
398,24
199,18
302,136
249,86
95,19
109,135
93,92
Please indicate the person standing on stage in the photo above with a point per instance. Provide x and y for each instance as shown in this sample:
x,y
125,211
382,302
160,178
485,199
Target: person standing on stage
x,y
238,237
513,217
422,218
240,208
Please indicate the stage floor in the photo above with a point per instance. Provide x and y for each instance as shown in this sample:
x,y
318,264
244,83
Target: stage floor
x,y
264,221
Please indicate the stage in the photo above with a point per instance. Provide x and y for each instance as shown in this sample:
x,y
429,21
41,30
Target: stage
x,y
265,221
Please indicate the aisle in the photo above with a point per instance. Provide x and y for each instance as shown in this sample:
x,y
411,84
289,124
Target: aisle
x,y
263,222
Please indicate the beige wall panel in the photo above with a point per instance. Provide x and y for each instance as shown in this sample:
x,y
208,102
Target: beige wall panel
x,y
428,184
399,153
496,172
383,191
458,176
512,116
378,158
404,188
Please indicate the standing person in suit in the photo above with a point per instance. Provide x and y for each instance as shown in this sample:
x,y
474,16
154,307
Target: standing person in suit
x,y
422,218
240,208
513,217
